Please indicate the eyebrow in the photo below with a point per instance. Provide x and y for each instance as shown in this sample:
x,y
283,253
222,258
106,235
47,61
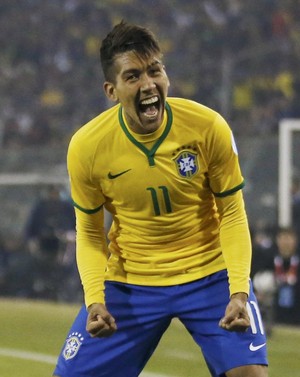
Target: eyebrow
x,y
155,62
134,70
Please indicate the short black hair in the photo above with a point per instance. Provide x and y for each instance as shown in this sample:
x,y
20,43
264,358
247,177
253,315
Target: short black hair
x,y
126,37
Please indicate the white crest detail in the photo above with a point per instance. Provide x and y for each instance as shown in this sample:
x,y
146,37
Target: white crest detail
x,y
187,164
72,346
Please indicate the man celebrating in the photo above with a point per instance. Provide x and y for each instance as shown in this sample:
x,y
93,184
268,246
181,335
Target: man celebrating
x,y
167,170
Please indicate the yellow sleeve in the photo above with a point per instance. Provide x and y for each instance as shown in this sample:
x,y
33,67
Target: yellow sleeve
x,y
91,254
85,191
235,241
224,170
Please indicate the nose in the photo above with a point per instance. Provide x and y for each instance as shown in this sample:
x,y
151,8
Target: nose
x,y
147,83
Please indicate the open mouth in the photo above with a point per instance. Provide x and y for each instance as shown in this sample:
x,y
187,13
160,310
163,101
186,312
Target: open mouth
x,y
150,107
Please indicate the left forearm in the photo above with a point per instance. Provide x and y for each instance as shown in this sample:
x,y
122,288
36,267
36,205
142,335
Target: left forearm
x,y
235,242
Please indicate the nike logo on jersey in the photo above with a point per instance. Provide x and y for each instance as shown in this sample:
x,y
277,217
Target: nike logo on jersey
x,y
254,348
113,176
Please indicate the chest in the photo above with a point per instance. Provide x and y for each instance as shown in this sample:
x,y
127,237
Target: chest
x,y
159,178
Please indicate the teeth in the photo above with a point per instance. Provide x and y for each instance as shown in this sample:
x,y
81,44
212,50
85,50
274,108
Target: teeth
x,y
149,101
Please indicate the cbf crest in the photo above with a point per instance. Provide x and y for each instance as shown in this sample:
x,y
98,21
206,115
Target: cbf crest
x,y
186,163
72,346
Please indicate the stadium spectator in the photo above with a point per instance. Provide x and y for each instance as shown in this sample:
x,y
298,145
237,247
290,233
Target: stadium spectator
x,y
49,229
287,276
16,268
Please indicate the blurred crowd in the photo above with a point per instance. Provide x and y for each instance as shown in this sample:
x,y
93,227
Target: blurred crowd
x,y
242,58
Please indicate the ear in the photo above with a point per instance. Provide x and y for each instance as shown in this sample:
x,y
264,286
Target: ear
x,y
164,68
110,91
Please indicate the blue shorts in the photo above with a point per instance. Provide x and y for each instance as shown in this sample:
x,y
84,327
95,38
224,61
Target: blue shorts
x,y
144,313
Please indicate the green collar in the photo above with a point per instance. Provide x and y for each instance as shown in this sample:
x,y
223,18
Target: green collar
x,y
149,153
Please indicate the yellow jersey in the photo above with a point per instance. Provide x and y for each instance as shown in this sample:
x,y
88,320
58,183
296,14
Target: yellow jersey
x,y
162,191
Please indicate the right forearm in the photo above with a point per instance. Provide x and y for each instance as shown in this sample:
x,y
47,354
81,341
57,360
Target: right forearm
x,y
91,254
91,267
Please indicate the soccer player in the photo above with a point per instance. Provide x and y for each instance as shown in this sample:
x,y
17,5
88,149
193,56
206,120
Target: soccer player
x,y
167,170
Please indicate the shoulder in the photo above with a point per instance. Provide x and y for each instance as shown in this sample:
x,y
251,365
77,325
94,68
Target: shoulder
x,y
187,105
192,110
88,137
91,137
198,116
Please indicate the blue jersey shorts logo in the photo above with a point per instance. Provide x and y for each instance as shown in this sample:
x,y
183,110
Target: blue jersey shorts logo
x,y
186,164
72,346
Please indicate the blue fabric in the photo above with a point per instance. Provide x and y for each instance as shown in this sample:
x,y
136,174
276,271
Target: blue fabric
x,y
144,313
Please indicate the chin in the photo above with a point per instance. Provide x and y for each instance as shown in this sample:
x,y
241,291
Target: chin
x,y
152,125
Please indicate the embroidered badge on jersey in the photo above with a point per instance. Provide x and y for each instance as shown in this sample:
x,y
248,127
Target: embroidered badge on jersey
x,y
186,163
72,346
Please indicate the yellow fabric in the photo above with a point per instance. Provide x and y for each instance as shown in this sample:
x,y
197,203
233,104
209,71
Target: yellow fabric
x,y
162,190
235,241
91,254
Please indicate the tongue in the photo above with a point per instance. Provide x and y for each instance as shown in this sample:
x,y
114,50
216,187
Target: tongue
x,y
150,111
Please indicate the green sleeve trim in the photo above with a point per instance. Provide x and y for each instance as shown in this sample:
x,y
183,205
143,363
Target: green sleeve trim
x,y
229,192
87,211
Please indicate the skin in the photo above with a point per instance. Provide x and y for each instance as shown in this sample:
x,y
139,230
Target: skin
x,y
287,243
137,79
